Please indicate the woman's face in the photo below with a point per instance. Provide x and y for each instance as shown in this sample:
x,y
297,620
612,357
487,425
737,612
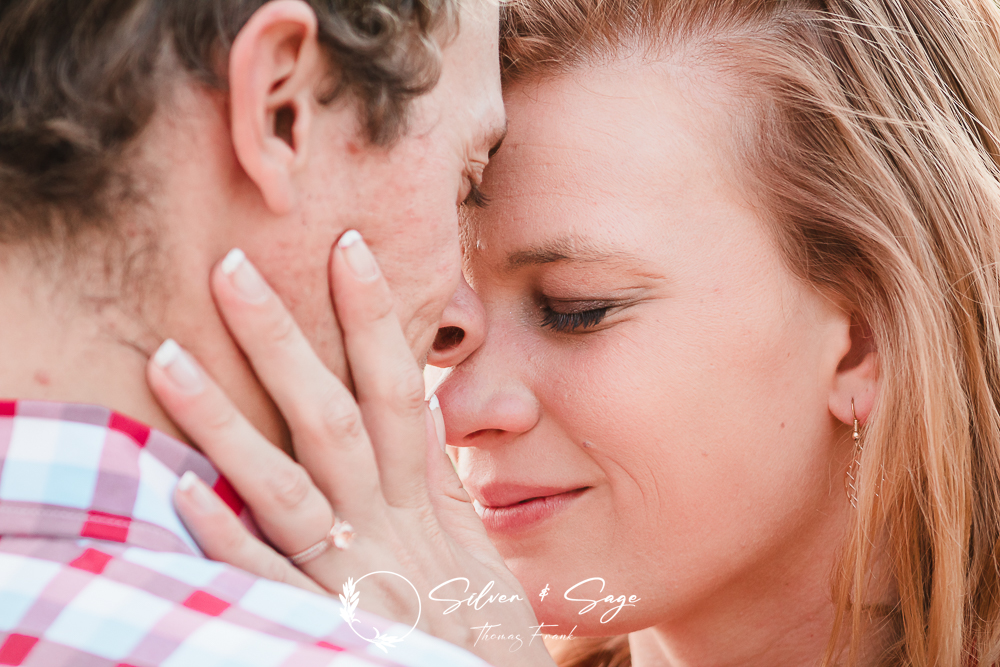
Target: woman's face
x,y
653,376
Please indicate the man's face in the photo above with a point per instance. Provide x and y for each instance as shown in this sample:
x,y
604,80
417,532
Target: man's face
x,y
403,198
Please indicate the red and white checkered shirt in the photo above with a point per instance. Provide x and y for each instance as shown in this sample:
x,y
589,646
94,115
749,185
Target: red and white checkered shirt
x,y
96,569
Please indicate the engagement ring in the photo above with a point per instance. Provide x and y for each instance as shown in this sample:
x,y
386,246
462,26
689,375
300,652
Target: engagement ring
x,y
339,536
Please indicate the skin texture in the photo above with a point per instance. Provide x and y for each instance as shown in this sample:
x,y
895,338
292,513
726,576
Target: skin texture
x,y
703,416
284,198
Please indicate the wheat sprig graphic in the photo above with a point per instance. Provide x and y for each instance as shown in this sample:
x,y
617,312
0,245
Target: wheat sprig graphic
x,y
349,600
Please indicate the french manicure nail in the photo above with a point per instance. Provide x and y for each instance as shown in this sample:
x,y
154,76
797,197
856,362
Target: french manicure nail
x,y
435,405
359,257
244,277
191,485
179,367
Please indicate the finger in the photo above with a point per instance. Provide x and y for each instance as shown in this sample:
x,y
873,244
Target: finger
x,y
326,424
223,537
387,379
289,509
451,502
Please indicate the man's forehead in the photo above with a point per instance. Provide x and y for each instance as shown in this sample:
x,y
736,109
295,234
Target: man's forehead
x,y
485,109
470,80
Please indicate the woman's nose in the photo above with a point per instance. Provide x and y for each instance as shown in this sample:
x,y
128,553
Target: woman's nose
x,y
488,400
484,410
462,329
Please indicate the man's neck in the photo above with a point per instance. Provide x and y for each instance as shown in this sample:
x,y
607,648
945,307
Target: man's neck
x,y
73,343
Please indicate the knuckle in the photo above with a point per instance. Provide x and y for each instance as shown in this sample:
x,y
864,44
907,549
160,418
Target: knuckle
x,y
340,420
409,496
281,330
406,393
277,569
222,420
229,541
379,308
290,486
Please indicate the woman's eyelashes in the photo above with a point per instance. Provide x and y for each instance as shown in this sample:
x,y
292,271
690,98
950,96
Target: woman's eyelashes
x,y
573,321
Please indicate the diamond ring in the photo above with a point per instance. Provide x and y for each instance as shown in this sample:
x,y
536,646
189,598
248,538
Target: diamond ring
x,y
340,536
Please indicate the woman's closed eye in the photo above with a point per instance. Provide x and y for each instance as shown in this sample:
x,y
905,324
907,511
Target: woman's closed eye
x,y
573,318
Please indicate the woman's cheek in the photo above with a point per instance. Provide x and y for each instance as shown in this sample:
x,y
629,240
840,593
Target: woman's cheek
x,y
602,398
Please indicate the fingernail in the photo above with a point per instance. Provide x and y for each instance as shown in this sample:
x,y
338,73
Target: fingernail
x,y
191,485
244,277
179,367
435,405
359,257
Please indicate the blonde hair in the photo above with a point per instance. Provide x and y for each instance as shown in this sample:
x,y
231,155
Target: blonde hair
x,y
875,151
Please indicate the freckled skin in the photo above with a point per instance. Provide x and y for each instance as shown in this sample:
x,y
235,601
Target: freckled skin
x,y
697,411
404,198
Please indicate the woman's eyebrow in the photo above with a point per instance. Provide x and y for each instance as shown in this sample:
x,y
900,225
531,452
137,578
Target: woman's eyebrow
x,y
568,249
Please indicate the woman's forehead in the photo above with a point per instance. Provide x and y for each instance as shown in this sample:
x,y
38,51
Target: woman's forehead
x,y
592,150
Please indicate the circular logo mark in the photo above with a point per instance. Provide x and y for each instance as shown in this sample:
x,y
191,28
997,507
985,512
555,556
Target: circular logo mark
x,y
349,599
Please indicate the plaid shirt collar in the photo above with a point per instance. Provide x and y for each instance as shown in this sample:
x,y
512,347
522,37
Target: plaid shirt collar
x,y
71,470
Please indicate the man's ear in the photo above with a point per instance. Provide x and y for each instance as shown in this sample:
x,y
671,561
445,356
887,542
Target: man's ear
x,y
857,376
275,67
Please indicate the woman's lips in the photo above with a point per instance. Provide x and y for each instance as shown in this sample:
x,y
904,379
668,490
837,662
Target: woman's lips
x,y
522,514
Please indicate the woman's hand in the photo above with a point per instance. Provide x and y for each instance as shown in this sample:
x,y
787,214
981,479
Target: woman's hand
x,y
376,462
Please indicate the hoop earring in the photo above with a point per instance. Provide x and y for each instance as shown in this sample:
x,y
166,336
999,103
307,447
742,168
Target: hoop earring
x,y
854,470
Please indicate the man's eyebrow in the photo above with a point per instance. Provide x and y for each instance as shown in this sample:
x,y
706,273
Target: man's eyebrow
x,y
496,137
566,249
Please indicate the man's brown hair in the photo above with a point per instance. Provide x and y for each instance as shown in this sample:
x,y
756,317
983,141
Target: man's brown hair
x,y
80,79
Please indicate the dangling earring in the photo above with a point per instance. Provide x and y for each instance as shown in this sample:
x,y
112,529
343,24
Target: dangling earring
x,y
854,470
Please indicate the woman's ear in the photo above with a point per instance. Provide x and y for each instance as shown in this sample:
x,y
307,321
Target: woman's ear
x,y
275,68
857,375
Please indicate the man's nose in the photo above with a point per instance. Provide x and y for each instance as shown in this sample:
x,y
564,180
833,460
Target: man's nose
x,y
462,329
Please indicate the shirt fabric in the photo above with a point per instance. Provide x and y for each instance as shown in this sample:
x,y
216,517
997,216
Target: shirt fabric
x,y
97,570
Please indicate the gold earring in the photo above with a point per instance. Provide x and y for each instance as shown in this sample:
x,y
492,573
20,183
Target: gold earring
x,y
854,470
